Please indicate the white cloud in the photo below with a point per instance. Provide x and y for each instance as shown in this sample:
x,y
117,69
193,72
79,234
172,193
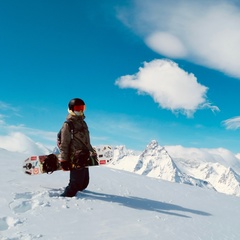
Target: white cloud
x,y
214,155
170,86
206,32
232,123
166,44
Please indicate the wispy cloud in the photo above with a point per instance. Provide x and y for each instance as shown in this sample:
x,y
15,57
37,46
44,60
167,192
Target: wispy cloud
x,y
40,134
205,32
7,107
120,129
7,111
232,123
170,86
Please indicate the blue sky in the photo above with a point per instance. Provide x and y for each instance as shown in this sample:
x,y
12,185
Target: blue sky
x,y
163,70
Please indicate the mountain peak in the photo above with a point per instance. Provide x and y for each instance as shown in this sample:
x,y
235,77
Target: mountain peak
x,y
156,162
153,144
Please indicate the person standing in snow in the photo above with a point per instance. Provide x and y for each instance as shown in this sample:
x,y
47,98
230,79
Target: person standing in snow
x,y
75,145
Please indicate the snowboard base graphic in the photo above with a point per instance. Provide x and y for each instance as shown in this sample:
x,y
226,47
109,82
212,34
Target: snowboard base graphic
x,y
35,165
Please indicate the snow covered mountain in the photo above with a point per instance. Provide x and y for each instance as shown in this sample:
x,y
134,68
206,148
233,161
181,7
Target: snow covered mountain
x,y
172,163
19,142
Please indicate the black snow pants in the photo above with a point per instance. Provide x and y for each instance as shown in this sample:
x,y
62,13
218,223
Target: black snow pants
x,y
79,180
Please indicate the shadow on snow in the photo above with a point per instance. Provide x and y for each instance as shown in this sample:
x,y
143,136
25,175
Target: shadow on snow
x,y
143,204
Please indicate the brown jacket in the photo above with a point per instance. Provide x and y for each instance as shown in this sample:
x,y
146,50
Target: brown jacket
x,y
81,138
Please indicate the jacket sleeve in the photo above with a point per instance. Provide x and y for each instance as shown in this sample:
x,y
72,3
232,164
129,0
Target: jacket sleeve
x,y
65,142
89,146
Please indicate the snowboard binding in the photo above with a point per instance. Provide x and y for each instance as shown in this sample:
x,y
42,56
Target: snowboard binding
x,y
50,164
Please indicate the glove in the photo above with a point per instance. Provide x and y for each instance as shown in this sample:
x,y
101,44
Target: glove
x,y
93,153
66,165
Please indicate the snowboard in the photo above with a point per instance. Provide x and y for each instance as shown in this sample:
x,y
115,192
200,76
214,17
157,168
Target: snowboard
x,y
35,165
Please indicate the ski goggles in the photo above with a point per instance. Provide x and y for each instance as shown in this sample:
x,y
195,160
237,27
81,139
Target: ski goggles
x,y
79,108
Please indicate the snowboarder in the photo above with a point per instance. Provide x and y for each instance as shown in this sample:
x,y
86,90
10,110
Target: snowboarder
x,y
75,146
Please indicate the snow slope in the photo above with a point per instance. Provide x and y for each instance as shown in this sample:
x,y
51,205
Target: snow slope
x,y
118,205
